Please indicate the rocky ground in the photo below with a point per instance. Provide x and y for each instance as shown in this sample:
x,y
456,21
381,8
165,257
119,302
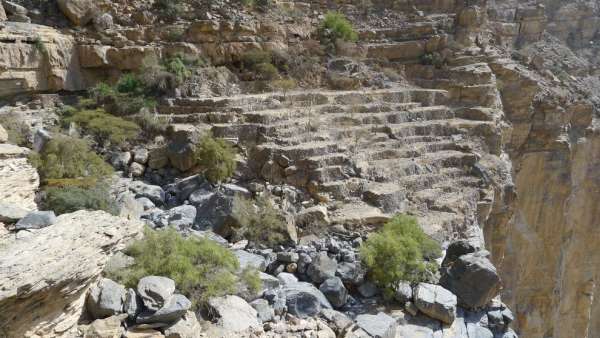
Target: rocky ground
x,y
478,118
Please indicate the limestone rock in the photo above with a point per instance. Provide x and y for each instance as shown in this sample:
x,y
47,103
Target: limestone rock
x,y
58,264
335,291
322,268
10,213
3,133
377,326
18,179
105,328
233,313
304,300
250,260
436,302
186,327
78,11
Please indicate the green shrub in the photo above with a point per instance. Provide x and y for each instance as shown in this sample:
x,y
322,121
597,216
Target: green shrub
x,y
252,58
68,157
284,85
17,130
261,223
130,84
103,126
152,124
335,26
266,72
176,66
128,102
201,268
400,251
169,10
251,279
217,158
63,200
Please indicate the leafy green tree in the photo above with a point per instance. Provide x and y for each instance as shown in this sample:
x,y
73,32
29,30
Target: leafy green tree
x,y
400,251
217,158
335,26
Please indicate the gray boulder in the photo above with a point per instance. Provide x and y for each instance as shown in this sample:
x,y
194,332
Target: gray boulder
x,y
155,291
368,289
173,309
403,292
233,313
287,278
200,196
335,291
13,8
457,249
287,257
120,160
10,213
268,282
436,302
153,192
145,202
378,326
182,217
105,299
36,220
350,272
140,155
265,312
321,268
186,327
473,278
133,304
250,260
304,300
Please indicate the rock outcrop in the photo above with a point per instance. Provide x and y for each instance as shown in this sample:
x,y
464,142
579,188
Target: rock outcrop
x,y
18,179
45,274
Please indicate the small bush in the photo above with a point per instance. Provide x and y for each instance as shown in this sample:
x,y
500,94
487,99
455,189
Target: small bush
x,y
400,251
130,84
103,126
217,158
169,10
68,157
63,200
261,223
266,72
335,26
201,268
152,124
252,58
17,130
126,98
251,279
285,85
176,66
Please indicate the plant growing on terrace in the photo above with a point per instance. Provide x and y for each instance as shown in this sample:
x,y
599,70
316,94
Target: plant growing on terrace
x,y
400,251
105,127
201,268
336,26
217,158
67,199
261,223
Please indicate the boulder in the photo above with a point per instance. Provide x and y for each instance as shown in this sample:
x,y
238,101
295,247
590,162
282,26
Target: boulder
x,y
233,314
172,310
105,299
287,278
120,160
403,292
133,304
182,217
105,328
473,278
265,312
322,268
3,133
335,291
350,272
368,289
158,158
304,300
11,213
457,249
155,291
378,326
140,155
268,282
217,212
79,12
287,257
103,22
181,155
13,8
153,192
36,220
136,169
436,302
45,277
315,217
250,260
142,332
186,327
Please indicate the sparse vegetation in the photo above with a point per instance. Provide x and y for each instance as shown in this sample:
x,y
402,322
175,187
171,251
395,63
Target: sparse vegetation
x,y
336,26
40,45
201,268
217,158
261,223
71,158
260,64
169,10
69,199
400,251
16,129
105,127
284,85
